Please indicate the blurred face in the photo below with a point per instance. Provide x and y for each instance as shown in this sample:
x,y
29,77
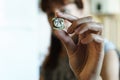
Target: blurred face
x,y
70,8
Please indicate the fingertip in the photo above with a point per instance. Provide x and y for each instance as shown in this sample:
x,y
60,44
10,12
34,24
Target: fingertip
x,y
99,40
58,13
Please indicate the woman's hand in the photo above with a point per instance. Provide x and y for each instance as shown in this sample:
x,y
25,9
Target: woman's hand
x,y
85,48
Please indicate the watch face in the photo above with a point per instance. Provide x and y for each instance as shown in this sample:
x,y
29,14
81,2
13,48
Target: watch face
x,y
58,23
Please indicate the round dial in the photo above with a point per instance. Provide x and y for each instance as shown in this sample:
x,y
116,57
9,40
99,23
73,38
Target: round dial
x,y
58,23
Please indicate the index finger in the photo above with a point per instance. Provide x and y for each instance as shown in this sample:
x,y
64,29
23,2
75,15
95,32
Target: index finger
x,y
68,17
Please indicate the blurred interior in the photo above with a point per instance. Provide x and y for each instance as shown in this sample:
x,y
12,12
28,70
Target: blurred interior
x,y
108,12
24,39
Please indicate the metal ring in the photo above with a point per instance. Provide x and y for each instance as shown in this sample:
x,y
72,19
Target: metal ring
x,y
58,23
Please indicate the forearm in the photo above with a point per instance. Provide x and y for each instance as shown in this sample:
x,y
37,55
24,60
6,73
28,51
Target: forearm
x,y
110,71
99,78
92,69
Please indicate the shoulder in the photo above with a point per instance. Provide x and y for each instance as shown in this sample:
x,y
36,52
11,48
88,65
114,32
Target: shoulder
x,y
108,45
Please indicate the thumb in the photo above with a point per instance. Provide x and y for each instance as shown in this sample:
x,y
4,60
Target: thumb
x,y
66,16
66,40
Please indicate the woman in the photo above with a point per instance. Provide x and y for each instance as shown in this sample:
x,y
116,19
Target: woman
x,y
76,53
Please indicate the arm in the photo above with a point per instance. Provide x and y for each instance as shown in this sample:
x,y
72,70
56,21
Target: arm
x,y
110,69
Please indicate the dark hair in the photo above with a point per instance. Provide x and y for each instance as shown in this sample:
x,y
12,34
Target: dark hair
x,y
52,59
47,5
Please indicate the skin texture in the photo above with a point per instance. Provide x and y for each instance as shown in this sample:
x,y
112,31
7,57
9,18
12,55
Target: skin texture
x,y
110,69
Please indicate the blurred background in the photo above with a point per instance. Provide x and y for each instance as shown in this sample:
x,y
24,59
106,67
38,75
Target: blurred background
x,y
24,39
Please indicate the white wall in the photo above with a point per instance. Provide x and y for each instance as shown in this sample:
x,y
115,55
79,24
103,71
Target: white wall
x,y
23,39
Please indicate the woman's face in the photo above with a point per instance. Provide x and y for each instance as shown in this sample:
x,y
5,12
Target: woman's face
x,y
70,8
